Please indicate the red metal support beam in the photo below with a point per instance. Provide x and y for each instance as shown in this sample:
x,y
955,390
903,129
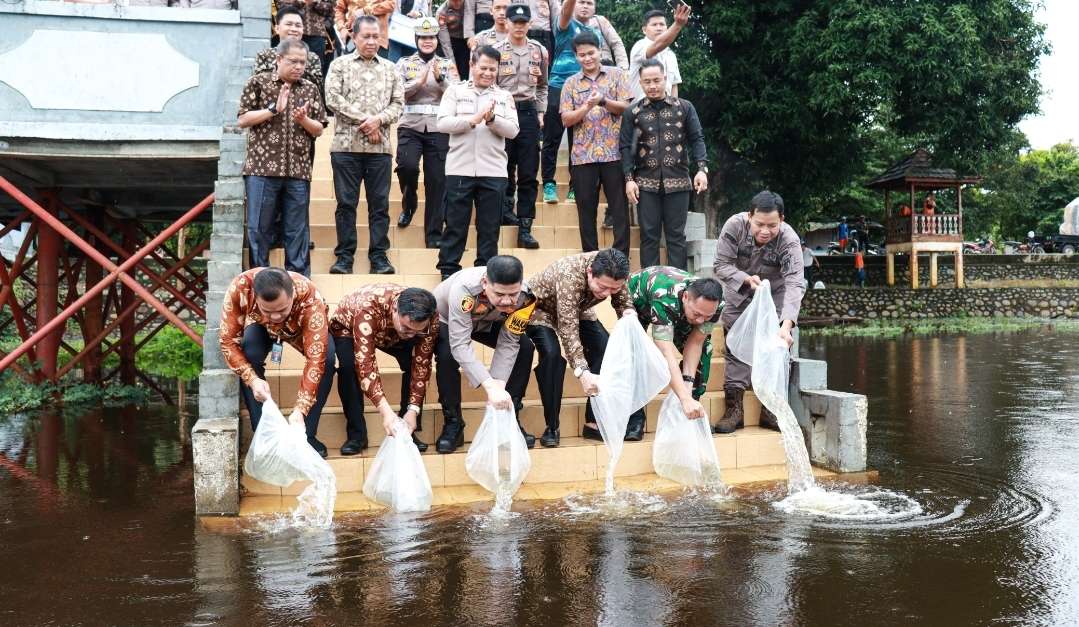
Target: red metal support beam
x,y
116,272
128,370
123,251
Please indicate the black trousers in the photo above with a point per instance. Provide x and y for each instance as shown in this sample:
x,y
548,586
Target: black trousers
x,y
664,212
460,53
348,386
350,169
448,371
552,134
523,165
587,179
551,370
256,345
432,147
487,193
273,201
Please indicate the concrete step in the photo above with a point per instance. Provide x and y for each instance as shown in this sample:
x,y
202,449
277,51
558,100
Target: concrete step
x,y
332,424
323,210
575,460
284,384
413,263
322,188
325,236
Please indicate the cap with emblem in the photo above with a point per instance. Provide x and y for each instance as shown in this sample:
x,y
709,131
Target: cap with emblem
x,y
426,27
519,13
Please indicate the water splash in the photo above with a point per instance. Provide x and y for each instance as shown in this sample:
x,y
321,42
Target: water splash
x,y
872,505
799,470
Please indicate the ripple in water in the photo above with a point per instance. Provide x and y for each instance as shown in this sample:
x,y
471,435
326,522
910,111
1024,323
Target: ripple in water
x,y
869,505
618,504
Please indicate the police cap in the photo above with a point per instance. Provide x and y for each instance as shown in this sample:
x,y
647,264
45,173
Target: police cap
x,y
519,13
426,27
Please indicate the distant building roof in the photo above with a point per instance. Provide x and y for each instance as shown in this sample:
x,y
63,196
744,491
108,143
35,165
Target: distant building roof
x,y
918,170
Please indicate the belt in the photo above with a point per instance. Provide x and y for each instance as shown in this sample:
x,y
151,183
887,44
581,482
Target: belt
x,y
422,109
525,104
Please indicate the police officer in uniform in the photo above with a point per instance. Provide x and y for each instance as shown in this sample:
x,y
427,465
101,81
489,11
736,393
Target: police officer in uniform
x,y
522,71
425,77
491,305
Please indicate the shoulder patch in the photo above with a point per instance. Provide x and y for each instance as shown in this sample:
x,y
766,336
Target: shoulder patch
x,y
467,304
517,323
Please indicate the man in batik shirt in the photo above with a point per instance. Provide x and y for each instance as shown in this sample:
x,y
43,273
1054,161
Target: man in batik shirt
x,y
399,321
682,311
566,291
263,309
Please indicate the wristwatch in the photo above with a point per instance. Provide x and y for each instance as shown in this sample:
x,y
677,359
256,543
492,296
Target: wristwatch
x,y
413,408
578,371
687,378
272,108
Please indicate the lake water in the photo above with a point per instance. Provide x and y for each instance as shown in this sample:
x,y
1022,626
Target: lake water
x,y
980,433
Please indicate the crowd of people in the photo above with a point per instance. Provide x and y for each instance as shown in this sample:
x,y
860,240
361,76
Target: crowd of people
x,y
481,97
550,315
485,117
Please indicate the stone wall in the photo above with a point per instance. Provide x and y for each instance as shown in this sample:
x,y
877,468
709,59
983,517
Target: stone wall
x,y
839,269
876,302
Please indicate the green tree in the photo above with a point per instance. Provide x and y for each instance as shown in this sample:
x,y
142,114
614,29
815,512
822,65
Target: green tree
x,y
813,97
1027,192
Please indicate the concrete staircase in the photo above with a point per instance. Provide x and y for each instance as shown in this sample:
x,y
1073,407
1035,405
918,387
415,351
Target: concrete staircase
x,y
577,460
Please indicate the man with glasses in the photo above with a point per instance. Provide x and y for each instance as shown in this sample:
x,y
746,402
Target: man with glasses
x,y
399,321
682,311
492,306
263,309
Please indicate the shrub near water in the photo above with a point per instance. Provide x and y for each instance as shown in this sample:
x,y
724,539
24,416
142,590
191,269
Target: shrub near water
x,y
885,329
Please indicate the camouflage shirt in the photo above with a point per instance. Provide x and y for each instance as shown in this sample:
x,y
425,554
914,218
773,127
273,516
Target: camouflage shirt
x,y
657,297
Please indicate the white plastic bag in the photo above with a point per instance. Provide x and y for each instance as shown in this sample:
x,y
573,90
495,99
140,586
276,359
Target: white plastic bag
x,y
398,477
683,450
279,454
633,372
754,339
497,458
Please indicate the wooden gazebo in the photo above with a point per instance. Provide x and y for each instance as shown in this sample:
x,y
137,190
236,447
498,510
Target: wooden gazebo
x,y
916,232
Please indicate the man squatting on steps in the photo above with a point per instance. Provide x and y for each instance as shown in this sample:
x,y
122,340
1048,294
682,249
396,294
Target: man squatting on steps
x,y
401,322
566,291
263,309
490,305
755,246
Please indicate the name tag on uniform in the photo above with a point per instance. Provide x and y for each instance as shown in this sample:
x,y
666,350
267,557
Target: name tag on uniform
x,y
276,352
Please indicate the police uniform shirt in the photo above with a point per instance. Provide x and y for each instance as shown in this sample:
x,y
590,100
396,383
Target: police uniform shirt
x,y
523,72
779,261
480,150
464,308
422,99
490,37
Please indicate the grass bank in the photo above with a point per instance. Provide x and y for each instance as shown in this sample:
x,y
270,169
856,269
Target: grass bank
x,y
932,326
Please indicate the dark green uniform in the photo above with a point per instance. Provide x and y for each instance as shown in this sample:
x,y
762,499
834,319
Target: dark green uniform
x,y
657,296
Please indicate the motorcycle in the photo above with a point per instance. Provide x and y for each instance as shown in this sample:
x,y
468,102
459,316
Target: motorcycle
x,y
981,246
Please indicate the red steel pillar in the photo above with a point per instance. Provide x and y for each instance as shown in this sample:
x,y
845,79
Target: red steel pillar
x,y
93,320
49,248
128,371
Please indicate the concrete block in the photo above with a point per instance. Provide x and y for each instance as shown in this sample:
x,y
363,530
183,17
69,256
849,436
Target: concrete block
x,y
213,307
696,225
229,189
837,435
215,445
212,359
251,47
229,211
219,394
230,163
255,27
809,374
227,247
221,273
254,8
229,228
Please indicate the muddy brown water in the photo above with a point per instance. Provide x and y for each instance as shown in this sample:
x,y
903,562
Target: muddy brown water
x,y
978,436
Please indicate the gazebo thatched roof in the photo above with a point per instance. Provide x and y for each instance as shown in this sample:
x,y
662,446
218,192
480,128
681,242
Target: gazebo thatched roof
x,y
918,170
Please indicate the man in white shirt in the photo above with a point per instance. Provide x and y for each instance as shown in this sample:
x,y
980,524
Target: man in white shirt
x,y
656,45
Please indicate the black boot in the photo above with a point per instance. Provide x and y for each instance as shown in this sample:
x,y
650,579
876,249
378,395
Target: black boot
x,y
635,427
530,440
453,431
768,419
524,235
550,438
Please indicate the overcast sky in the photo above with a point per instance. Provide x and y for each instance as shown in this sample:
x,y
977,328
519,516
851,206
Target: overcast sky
x,y
1059,120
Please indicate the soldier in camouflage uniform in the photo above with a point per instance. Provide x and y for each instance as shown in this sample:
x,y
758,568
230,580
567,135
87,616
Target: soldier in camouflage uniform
x,y
682,311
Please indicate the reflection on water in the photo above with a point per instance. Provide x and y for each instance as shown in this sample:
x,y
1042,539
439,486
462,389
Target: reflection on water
x,y
975,439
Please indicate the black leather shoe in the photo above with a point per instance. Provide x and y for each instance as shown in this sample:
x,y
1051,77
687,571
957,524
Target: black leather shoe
x,y
550,438
421,446
354,447
382,267
404,219
453,433
319,447
591,433
342,266
607,222
530,440
635,428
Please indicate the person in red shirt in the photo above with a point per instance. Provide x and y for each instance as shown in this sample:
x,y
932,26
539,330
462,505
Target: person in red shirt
x,y
263,309
859,269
